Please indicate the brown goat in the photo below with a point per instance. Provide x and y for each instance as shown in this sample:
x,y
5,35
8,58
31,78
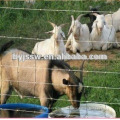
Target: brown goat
x,y
45,79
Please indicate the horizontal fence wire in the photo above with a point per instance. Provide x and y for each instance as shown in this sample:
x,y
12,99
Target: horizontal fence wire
x,y
21,110
54,108
38,39
105,72
29,97
25,38
53,10
50,0
43,83
61,0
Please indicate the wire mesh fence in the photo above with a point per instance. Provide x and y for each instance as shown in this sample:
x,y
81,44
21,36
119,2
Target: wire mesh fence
x,y
27,25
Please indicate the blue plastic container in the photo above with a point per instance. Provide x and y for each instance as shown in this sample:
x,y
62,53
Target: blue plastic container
x,y
27,106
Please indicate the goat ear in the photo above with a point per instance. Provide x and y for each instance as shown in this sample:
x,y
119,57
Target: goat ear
x,y
50,32
52,24
78,18
63,35
95,14
65,82
80,87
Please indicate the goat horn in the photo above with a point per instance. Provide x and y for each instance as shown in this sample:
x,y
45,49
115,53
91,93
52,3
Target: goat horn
x,y
69,32
81,71
52,24
50,32
62,25
78,18
72,17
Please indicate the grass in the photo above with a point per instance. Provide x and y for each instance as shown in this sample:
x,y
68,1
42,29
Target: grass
x,y
118,55
31,24
26,23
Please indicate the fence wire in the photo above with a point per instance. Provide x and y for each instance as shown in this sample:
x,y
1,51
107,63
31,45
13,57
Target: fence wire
x,y
84,71
53,10
38,39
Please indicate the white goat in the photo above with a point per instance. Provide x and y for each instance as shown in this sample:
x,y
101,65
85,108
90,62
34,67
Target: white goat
x,y
79,36
103,35
54,45
114,19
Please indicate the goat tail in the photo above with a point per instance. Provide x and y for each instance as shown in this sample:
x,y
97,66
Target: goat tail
x,y
6,46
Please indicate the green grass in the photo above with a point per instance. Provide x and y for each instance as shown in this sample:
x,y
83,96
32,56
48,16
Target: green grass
x,y
27,23
118,55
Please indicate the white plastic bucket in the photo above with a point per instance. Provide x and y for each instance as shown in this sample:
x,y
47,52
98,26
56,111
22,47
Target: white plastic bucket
x,y
89,110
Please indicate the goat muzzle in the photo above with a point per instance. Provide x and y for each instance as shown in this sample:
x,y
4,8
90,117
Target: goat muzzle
x,y
77,105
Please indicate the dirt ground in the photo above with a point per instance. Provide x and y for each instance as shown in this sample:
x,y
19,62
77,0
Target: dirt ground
x,y
111,54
